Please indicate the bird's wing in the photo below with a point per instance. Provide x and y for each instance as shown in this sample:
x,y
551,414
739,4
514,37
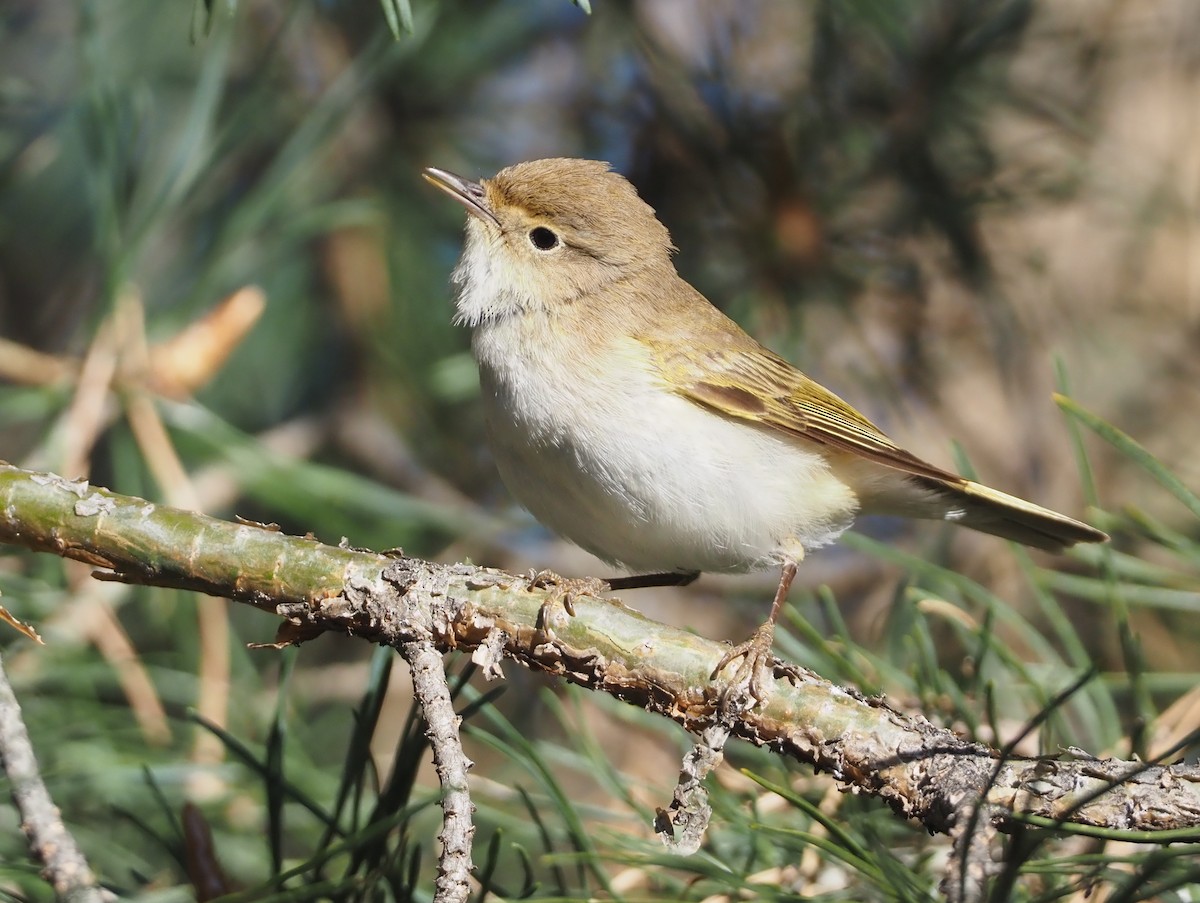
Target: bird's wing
x,y
751,383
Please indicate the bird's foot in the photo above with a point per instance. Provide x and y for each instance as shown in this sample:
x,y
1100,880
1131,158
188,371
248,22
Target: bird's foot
x,y
563,591
756,671
755,676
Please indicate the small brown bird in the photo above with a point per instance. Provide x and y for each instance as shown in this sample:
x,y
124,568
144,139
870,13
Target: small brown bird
x,y
631,416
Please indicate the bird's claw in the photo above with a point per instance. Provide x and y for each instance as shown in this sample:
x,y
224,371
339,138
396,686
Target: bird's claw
x,y
563,591
755,676
756,672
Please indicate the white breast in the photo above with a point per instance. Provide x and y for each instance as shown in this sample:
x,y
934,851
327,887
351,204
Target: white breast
x,y
609,457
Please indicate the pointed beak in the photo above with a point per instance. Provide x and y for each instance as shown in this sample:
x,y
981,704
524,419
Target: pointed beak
x,y
469,194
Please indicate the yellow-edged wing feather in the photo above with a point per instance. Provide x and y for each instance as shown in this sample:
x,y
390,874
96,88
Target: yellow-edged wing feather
x,y
741,379
755,384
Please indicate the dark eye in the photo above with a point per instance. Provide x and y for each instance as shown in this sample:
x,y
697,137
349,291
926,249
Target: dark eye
x,y
542,238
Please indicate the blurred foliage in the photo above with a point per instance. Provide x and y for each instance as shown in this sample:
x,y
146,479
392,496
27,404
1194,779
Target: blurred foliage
x,y
924,204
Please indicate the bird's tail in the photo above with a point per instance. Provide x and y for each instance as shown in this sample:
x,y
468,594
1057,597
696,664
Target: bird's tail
x,y
991,511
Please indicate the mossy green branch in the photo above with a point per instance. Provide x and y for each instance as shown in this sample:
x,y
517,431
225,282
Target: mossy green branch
x,y
141,542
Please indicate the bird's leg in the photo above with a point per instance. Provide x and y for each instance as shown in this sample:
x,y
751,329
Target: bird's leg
x,y
756,672
565,590
641,581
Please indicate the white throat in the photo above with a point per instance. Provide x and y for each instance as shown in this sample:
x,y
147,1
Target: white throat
x,y
488,288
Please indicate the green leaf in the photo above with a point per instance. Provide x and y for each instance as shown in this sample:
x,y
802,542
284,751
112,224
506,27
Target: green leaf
x,y
1133,450
399,17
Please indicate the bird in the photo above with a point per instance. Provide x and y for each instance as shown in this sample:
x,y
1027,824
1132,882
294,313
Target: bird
x,y
630,415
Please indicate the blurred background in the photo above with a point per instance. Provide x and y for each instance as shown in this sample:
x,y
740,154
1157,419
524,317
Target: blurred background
x,y
944,210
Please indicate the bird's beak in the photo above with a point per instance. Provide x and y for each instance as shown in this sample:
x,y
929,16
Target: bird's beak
x,y
469,194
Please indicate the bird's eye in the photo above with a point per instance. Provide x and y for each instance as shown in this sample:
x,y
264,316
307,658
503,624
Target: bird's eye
x,y
542,238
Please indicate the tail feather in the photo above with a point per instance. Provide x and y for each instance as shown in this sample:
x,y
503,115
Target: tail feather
x,y
991,511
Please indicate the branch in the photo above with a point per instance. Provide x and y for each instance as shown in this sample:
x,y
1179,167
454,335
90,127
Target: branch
x,y
432,691
924,772
64,866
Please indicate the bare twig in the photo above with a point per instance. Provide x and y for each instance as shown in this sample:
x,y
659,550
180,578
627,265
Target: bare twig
x,y
108,634
29,367
64,865
971,866
681,826
437,707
